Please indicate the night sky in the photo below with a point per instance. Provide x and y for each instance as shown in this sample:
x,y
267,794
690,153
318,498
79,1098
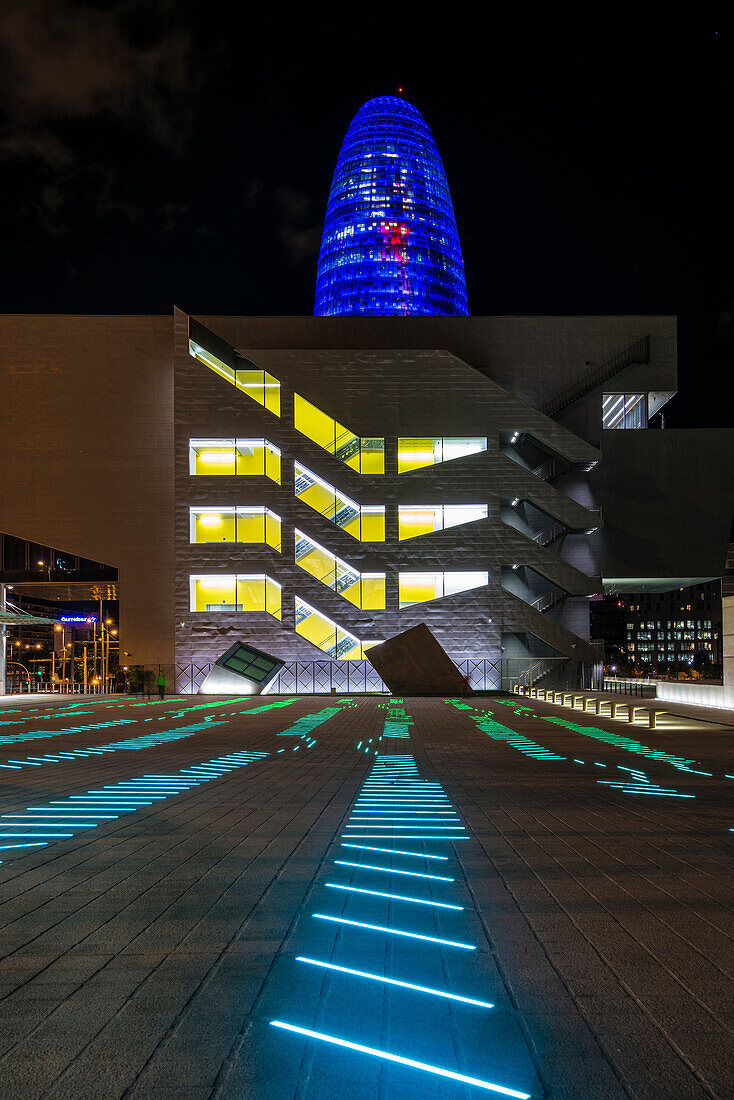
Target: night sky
x,y
158,153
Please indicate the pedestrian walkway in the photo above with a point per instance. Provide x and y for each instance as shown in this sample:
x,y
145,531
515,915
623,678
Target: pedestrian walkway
x,y
307,898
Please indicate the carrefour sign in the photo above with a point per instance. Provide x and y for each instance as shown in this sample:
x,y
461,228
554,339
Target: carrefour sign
x,y
78,619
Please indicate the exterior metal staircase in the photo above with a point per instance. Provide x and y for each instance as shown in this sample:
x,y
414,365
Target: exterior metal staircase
x,y
636,353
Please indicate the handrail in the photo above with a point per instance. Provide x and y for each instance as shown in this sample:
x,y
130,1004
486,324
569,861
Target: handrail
x,y
637,352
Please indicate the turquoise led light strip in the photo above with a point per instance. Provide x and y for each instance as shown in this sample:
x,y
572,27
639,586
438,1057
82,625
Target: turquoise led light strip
x,y
395,931
398,836
432,825
393,851
390,870
401,1060
145,741
95,805
36,735
392,897
394,981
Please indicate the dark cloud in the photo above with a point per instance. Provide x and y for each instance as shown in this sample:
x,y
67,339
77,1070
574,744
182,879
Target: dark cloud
x,y
67,61
300,242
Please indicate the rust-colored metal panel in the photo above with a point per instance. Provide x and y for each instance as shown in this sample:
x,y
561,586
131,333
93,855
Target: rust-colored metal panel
x,y
413,663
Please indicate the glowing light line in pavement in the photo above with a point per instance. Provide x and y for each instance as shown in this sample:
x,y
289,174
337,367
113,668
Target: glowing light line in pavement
x,y
99,803
395,931
428,815
398,836
6,847
46,824
105,793
394,981
85,811
391,870
404,825
392,897
43,735
401,1060
393,851
80,813
14,836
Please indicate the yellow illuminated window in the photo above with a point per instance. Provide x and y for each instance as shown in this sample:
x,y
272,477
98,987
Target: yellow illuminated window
x,y
261,387
364,590
235,593
327,635
247,524
424,587
257,384
417,452
366,523
424,519
365,456
247,457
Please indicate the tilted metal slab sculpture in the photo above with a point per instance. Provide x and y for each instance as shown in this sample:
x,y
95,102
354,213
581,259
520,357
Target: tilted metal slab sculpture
x,y
414,663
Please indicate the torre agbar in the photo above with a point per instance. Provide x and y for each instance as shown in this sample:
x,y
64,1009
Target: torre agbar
x,y
315,485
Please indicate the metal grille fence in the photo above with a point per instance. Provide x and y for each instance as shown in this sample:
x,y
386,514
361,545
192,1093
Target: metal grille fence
x,y
323,677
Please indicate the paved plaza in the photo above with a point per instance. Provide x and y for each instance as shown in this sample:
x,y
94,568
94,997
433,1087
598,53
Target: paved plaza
x,y
328,897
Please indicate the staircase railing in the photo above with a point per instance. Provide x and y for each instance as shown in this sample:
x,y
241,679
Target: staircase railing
x,y
638,352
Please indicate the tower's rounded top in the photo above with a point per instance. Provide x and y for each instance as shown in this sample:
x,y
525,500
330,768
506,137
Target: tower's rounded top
x,y
390,246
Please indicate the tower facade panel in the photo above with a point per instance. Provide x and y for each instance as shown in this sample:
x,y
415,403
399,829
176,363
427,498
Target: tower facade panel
x,y
390,246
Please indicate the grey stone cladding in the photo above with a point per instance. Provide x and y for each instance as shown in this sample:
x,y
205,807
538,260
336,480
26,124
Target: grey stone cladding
x,y
391,394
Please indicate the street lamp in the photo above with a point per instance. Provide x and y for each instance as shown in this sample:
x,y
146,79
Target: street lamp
x,y
42,565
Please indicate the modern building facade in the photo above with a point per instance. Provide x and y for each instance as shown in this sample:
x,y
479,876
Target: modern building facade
x,y
310,486
662,631
410,463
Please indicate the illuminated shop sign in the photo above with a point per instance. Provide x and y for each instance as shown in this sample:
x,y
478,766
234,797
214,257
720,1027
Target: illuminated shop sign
x,y
84,619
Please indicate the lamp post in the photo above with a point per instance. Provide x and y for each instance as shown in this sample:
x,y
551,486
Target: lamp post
x,y
45,565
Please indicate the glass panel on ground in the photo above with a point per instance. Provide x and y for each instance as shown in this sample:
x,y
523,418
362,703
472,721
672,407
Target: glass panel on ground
x,y
249,662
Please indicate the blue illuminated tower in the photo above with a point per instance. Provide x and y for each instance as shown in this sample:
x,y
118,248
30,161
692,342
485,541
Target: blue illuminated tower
x,y
390,245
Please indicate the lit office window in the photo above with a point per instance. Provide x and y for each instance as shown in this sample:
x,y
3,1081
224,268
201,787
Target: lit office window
x,y
624,410
366,523
424,587
327,635
424,519
232,593
365,456
235,524
246,457
257,384
364,590
415,453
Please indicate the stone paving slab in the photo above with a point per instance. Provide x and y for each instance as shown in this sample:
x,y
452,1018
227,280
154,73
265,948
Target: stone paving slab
x,y
146,957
